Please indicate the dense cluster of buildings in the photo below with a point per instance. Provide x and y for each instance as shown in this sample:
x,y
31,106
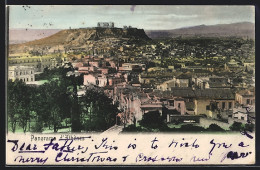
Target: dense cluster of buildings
x,y
185,82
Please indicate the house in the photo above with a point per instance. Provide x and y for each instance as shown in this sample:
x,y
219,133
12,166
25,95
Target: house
x,y
103,70
89,79
183,80
246,97
240,114
84,70
167,85
151,106
99,80
24,73
223,99
77,64
201,82
177,104
219,82
114,79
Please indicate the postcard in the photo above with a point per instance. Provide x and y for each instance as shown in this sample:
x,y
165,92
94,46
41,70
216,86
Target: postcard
x,y
128,85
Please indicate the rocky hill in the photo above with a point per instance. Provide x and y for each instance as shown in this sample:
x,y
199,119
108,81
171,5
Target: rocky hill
x,y
22,35
242,29
77,38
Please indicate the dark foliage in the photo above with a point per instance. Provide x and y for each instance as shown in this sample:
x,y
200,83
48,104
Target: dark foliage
x,y
97,110
236,126
191,128
249,127
152,120
215,127
38,127
132,128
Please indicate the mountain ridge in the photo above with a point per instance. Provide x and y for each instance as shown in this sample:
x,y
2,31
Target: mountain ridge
x,y
240,29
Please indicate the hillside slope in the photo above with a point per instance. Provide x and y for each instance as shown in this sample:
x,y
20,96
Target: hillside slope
x,y
243,29
81,37
17,36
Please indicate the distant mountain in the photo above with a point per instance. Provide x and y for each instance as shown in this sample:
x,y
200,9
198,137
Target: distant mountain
x,y
242,29
81,38
17,36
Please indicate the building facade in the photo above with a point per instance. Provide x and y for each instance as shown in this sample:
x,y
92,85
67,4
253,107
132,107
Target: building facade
x,y
24,73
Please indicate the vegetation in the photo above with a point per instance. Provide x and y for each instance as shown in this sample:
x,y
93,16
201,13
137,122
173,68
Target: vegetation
x,y
153,120
18,104
215,127
238,126
162,127
54,102
98,111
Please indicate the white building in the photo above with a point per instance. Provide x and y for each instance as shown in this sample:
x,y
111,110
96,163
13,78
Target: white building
x,y
24,73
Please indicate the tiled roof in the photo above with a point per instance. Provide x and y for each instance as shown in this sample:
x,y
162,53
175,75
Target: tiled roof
x,y
215,93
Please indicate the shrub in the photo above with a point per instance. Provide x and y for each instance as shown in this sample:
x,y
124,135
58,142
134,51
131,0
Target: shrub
x,y
249,127
236,126
132,128
215,127
191,128
152,120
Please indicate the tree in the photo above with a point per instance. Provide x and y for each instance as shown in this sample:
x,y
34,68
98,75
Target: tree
x,y
215,127
152,119
98,111
18,104
53,95
236,126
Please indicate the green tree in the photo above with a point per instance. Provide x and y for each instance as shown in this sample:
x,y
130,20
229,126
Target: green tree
x,y
18,104
236,126
55,93
153,119
97,110
215,127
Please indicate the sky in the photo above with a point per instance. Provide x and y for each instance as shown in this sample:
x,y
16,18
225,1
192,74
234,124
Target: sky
x,y
148,17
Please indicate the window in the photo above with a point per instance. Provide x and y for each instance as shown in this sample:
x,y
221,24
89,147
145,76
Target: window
x,y
229,105
247,101
223,105
179,105
208,107
242,118
27,79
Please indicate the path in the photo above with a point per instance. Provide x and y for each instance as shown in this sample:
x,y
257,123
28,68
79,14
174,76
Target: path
x,y
116,129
